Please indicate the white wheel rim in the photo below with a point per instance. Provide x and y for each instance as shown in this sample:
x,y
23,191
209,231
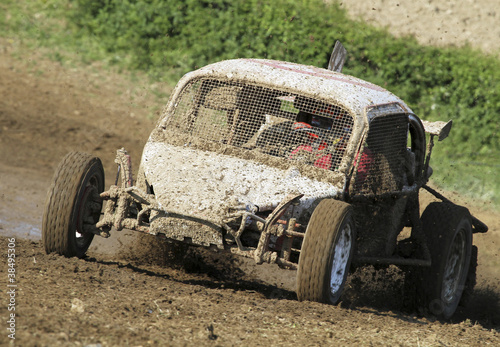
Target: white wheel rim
x,y
455,266
340,259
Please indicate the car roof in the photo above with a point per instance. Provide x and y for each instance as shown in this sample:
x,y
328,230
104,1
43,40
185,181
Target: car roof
x,y
333,87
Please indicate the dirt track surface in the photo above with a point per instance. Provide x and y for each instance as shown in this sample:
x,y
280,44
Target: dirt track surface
x,y
127,301
135,291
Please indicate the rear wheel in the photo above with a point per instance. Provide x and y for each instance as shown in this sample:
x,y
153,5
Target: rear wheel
x,y
73,205
448,229
326,253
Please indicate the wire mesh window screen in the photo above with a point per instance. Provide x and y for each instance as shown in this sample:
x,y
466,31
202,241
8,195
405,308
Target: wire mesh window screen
x,y
381,163
271,121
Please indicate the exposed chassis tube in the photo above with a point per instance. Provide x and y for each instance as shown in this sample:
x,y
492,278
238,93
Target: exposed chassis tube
x,y
272,225
121,199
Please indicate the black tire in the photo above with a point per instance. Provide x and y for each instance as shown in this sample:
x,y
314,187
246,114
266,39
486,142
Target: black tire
x,y
471,279
327,250
72,203
448,229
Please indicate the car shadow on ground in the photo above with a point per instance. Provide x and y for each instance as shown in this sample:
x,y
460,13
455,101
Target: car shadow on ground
x,y
196,266
370,290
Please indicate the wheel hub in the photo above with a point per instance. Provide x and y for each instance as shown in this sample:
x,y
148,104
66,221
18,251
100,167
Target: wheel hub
x,y
340,259
87,212
454,267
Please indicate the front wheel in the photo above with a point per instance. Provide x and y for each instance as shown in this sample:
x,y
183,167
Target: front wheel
x,y
326,253
448,230
73,205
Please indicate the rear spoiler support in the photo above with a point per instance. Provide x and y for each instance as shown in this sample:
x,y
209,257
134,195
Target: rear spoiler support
x,y
439,129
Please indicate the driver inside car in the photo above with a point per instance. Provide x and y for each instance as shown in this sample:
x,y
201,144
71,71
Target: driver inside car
x,y
308,129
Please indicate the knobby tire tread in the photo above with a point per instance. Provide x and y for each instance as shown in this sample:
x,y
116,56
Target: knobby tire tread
x,y
315,251
60,202
439,222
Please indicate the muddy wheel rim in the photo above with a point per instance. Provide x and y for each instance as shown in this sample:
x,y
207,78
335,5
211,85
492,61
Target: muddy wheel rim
x,y
340,259
88,213
455,266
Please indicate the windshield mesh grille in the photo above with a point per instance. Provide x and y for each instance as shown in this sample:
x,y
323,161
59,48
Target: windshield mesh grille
x,y
271,121
382,161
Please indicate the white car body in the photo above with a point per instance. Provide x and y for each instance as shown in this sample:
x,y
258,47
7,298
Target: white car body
x,y
204,184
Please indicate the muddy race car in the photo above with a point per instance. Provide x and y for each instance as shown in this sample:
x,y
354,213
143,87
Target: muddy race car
x,y
305,167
